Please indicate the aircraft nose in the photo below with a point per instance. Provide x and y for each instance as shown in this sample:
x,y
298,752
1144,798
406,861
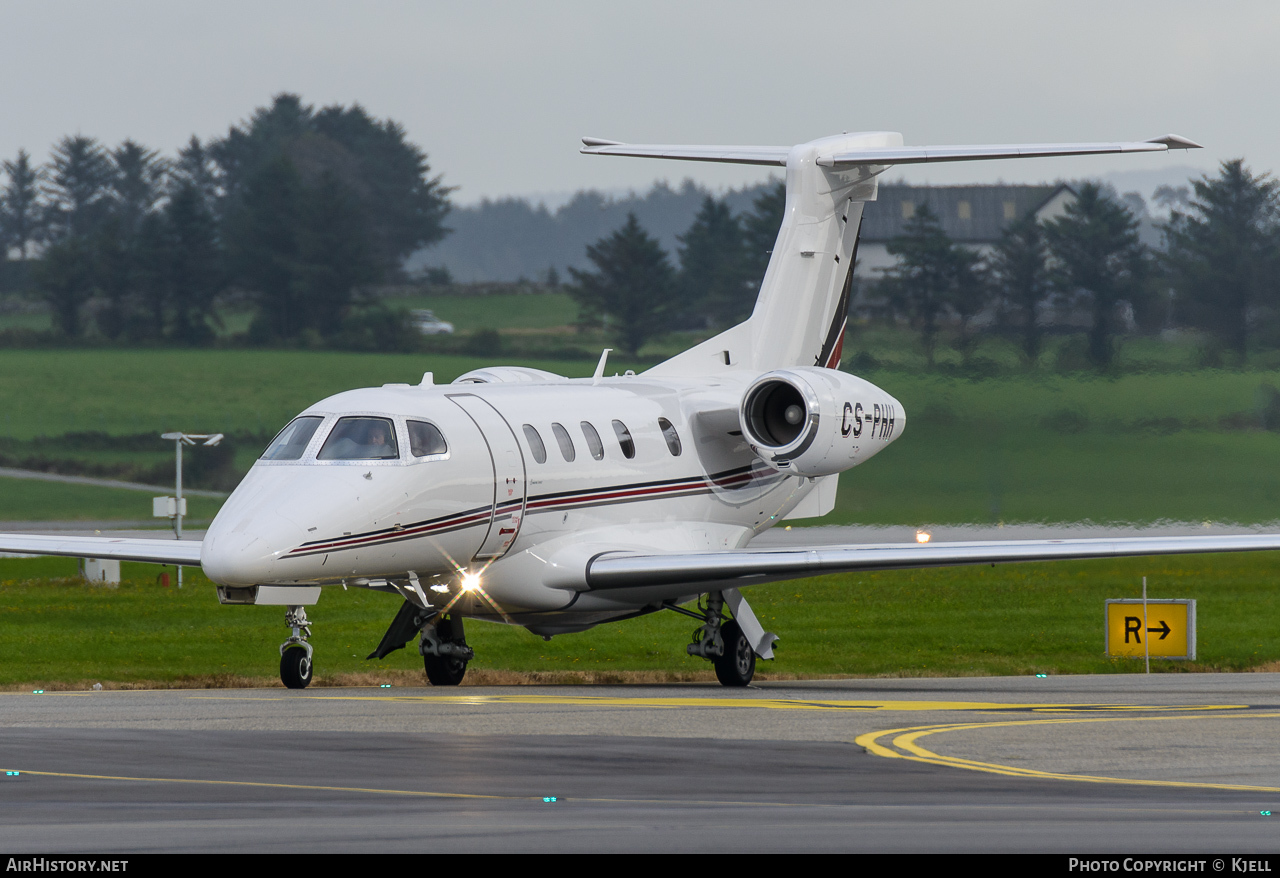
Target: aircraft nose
x,y
249,552
236,558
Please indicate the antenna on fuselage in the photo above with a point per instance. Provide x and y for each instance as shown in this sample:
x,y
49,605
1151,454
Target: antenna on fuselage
x,y
428,379
604,358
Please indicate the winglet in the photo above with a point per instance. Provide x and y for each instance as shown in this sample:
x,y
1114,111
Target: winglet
x,y
597,141
1173,141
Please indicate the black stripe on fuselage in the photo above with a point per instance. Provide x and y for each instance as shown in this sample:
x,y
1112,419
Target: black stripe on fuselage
x,y
562,500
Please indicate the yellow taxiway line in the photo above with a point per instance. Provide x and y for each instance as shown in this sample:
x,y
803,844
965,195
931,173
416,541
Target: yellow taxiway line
x,y
906,739
757,703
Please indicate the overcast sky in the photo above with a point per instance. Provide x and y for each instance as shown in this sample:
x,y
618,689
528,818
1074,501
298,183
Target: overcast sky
x,y
498,93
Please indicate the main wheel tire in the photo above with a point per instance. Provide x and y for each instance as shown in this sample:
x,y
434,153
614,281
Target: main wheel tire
x,y
444,671
295,668
738,664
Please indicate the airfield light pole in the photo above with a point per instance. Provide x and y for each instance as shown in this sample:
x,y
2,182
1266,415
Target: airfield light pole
x,y
179,508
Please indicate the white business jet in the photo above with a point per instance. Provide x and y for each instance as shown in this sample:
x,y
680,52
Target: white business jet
x,y
519,496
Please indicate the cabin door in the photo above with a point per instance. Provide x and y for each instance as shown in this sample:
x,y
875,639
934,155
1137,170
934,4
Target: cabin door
x,y
508,475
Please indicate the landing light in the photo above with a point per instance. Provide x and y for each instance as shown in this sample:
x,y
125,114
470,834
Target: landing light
x,y
470,582
922,536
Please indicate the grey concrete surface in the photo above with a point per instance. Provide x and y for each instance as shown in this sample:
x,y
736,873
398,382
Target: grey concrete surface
x,y
645,768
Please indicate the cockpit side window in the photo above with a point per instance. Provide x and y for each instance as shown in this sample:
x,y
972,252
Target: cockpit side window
x,y
425,439
293,439
361,439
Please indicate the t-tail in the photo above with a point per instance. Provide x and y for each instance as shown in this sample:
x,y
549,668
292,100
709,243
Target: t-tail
x,y
803,305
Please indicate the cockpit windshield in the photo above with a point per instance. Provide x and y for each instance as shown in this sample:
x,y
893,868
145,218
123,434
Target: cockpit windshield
x,y
361,439
293,439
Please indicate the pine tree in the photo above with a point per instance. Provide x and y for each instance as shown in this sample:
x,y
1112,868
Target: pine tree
x,y
1100,262
933,278
20,220
760,230
77,186
1020,272
137,183
713,277
633,284
1224,254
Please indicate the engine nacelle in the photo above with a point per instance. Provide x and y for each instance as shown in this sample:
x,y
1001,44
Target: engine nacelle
x,y
816,422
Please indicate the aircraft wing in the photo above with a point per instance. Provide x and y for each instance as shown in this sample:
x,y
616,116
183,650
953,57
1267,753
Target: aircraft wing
x,y
896,155
754,566
185,552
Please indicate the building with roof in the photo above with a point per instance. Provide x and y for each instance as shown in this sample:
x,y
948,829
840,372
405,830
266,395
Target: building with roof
x,y
974,216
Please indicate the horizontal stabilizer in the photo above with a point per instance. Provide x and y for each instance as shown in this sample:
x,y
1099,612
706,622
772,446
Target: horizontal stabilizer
x,y
741,155
913,155
901,155
154,551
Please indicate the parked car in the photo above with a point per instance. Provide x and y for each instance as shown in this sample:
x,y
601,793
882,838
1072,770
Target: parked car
x,y
429,324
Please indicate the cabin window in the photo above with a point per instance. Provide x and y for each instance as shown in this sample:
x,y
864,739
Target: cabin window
x,y
624,440
563,440
593,441
669,433
535,444
293,439
361,439
426,439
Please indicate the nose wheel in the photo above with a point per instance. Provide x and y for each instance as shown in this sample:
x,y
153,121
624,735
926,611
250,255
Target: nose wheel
x,y
295,653
295,668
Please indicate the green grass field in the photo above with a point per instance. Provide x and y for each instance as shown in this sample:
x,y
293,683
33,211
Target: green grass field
x,y
29,500
1014,619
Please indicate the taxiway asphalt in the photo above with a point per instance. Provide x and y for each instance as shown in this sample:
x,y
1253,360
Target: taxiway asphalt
x,y
1126,763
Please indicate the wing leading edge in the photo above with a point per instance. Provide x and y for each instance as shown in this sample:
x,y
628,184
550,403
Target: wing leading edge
x,y
751,567
186,552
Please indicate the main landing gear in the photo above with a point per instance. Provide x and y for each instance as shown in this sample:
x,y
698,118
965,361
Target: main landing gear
x,y
444,651
443,645
295,653
730,645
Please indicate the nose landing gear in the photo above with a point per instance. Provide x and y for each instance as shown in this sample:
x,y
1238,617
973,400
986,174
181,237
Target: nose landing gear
x,y
295,653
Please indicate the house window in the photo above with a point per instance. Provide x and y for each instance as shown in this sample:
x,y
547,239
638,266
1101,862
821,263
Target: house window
x,y
1010,210
964,211
908,209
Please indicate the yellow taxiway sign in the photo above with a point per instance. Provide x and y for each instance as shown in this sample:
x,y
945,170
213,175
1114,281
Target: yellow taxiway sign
x,y
1164,629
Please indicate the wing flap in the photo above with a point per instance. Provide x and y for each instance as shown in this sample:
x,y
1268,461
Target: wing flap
x,y
185,552
748,567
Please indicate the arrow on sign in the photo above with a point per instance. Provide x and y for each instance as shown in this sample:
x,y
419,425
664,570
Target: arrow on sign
x,y
1164,630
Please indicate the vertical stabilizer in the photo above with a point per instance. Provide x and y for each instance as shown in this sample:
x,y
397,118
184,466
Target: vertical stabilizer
x,y
800,314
